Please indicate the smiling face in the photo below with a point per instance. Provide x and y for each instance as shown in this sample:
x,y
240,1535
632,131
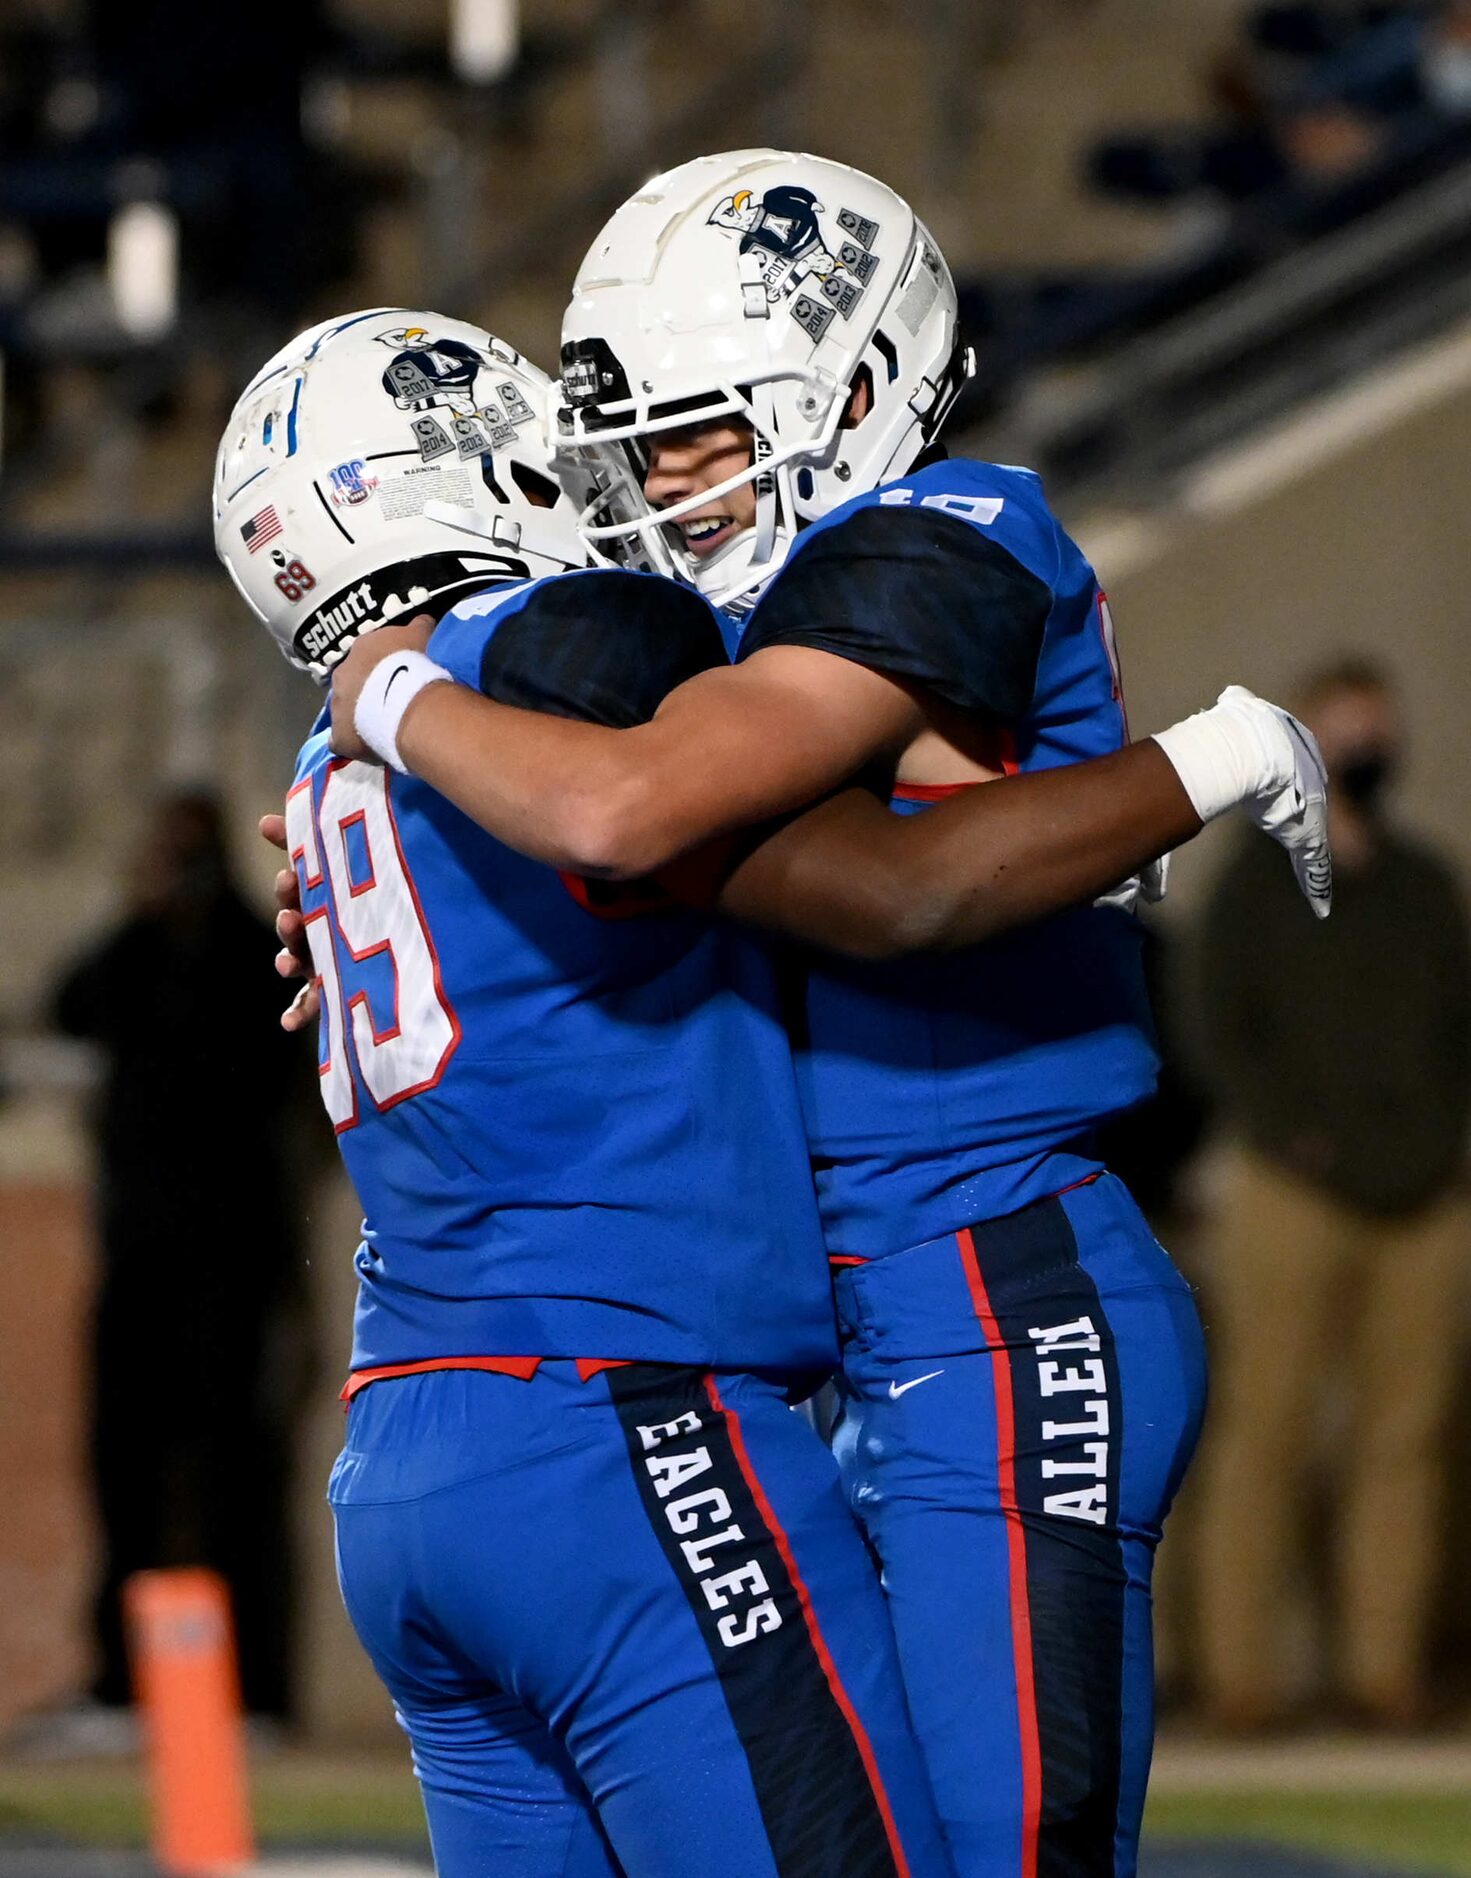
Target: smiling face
x,y
684,462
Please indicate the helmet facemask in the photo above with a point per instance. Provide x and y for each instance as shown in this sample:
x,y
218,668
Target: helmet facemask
x,y
608,445
760,286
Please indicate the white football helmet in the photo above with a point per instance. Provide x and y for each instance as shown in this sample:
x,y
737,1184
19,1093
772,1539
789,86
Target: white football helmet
x,y
758,284
383,464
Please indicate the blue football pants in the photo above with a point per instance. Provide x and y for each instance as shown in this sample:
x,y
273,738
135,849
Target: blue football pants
x,y
629,1625
1019,1403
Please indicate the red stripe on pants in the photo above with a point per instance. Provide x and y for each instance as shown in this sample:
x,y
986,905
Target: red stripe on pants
x,y
809,1616
1016,1546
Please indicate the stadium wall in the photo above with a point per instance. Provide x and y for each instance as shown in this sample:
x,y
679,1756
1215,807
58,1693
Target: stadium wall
x,y
1348,529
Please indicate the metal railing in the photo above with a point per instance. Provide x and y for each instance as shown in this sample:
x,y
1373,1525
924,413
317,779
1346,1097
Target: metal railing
x,y
1304,324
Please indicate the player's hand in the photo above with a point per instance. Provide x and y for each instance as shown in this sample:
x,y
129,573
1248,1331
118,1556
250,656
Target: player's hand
x,y
1291,802
294,960
351,675
1247,753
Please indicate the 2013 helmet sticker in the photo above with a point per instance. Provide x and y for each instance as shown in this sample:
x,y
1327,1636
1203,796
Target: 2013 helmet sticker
x,y
470,439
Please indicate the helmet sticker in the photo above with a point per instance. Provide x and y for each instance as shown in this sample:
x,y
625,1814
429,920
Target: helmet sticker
x,y
518,411
440,371
260,529
392,591
789,250
923,289
351,483
811,315
428,374
432,438
294,578
844,294
407,493
470,439
859,227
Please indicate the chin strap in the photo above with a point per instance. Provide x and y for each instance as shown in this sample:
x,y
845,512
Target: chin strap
x,y
745,601
768,505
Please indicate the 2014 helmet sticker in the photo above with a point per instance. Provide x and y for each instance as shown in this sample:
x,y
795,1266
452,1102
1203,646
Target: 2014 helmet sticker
x,y
432,438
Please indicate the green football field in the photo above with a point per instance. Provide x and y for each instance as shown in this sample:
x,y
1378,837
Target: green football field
x,y
1394,1831
369,1800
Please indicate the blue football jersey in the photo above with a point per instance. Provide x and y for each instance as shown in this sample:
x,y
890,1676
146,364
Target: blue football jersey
x,y
944,1090
571,1134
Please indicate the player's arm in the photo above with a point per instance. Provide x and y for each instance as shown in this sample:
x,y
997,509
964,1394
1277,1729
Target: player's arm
x,y
730,747
849,876
870,619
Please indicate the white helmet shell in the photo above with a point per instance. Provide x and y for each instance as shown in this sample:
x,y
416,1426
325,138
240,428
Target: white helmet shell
x,y
756,284
382,464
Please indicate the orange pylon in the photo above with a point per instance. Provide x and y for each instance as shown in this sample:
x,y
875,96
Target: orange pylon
x,y
181,1644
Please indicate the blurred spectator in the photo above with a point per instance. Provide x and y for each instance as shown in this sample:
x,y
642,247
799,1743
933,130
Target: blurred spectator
x,y
1254,143
1445,60
1315,31
1342,1058
193,1331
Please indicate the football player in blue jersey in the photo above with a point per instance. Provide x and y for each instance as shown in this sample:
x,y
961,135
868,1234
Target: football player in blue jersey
x,y
760,351
611,1582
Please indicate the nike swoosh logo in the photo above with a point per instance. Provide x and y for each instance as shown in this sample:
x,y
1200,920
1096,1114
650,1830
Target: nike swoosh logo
x,y
896,1389
393,680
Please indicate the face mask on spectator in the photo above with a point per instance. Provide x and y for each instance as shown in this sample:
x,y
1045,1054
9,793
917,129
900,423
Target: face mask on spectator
x,y
1364,776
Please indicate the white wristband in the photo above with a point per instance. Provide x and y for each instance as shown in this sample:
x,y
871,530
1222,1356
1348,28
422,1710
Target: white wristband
x,y
392,686
1228,754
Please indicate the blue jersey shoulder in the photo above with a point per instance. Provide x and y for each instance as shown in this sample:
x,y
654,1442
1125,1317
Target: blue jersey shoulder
x,y
1005,503
602,644
315,748
944,578
458,642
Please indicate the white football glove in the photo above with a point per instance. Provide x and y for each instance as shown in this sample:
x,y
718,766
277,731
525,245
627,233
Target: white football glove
x,y
1247,753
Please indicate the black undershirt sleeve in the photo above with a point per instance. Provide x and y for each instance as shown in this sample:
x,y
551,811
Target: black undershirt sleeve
x,y
605,647
918,594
